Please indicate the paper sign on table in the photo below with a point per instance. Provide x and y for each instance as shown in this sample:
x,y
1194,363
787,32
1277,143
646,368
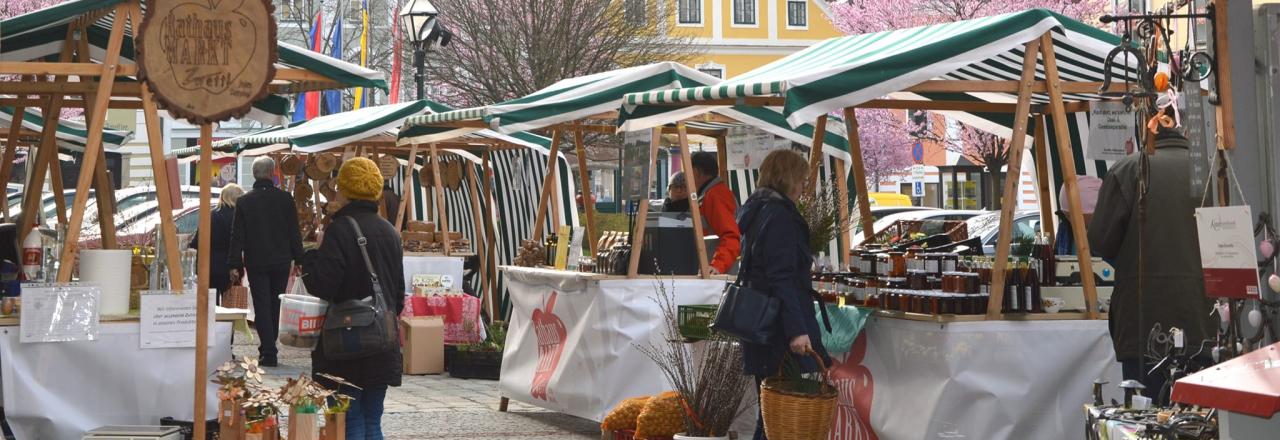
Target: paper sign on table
x,y
59,312
168,319
431,284
1111,135
1227,252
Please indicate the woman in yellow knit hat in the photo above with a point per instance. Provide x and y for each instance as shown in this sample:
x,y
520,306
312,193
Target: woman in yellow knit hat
x,y
337,272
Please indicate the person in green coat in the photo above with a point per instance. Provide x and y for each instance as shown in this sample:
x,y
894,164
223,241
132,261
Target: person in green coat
x,y
1172,291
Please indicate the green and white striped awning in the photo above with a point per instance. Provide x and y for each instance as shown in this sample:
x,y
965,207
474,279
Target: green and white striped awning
x,y
71,135
576,98
765,118
335,130
426,129
39,36
847,71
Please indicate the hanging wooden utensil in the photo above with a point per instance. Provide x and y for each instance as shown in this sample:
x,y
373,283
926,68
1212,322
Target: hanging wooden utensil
x,y
313,171
452,175
302,191
426,177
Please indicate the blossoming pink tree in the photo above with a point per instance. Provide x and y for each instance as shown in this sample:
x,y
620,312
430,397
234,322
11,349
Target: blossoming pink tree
x,y
865,16
886,144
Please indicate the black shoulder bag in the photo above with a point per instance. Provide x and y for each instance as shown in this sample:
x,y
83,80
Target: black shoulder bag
x,y
359,328
746,312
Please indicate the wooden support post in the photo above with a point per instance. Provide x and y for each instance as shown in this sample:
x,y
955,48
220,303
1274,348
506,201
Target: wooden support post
x,y
105,191
1078,228
1012,182
859,173
402,214
492,244
548,185
1043,194
584,176
637,236
722,156
815,152
695,208
59,199
164,199
441,216
1222,53
481,235
93,144
34,191
842,191
202,282
10,153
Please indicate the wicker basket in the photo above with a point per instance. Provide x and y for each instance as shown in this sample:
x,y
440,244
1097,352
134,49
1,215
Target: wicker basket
x,y
789,415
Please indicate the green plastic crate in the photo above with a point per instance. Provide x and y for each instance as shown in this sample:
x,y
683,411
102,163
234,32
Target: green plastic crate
x,y
695,320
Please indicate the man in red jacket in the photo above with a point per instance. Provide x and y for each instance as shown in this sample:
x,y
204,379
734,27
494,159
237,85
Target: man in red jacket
x,y
718,206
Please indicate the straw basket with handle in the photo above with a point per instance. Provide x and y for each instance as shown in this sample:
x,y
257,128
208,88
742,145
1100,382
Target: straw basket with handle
x,y
790,414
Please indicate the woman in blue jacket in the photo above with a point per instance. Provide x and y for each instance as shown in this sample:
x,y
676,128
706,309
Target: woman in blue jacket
x,y
777,238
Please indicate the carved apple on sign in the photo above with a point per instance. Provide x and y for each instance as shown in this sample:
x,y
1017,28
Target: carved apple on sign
x,y
207,60
551,335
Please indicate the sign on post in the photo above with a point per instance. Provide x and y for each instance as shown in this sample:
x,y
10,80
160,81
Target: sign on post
x,y
635,165
1111,135
917,189
917,173
207,61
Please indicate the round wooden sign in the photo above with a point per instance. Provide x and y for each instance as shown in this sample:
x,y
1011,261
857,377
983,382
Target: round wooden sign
x,y
207,61
291,165
388,166
452,175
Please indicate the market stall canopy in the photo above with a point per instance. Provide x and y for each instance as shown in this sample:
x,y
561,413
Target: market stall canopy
x,y
769,119
567,100
71,135
426,132
334,130
39,36
849,71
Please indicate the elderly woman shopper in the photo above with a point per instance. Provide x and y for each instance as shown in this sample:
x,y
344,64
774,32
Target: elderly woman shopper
x,y
777,260
337,272
220,238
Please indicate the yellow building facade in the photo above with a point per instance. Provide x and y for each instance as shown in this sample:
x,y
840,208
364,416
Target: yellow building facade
x,y
736,36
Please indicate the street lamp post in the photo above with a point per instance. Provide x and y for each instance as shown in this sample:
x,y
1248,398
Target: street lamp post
x,y
419,20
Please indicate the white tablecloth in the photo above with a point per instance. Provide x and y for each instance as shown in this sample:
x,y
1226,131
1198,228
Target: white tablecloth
x,y
432,265
571,339
60,390
972,380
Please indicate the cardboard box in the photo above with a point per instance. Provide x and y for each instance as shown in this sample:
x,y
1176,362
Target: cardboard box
x,y
423,344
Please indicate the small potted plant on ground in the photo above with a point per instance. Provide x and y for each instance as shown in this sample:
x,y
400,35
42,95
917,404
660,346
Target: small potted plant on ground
x,y
709,378
481,360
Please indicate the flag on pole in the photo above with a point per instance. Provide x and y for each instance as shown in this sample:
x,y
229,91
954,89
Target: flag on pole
x,y
317,45
333,98
364,51
302,105
394,94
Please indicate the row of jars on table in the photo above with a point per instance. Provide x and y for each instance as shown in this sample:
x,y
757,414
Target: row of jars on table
x,y
932,283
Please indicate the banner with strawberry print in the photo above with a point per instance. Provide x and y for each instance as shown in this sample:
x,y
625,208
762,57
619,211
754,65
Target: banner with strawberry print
x,y
571,338
971,380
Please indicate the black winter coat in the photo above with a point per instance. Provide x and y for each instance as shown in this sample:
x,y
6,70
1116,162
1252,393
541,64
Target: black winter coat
x,y
219,245
265,232
779,263
337,272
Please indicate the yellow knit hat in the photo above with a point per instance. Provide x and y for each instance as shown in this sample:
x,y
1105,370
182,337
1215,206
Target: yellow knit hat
x,y
359,179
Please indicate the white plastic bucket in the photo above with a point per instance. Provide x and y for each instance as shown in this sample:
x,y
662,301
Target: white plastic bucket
x,y
301,319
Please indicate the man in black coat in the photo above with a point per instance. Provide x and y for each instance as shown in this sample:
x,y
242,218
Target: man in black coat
x,y
265,241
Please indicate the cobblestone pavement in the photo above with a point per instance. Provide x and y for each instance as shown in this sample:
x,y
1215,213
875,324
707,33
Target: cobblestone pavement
x,y
440,407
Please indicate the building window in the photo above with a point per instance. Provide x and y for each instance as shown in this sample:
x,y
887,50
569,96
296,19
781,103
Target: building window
x,y
713,69
797,13
690,11
636,12
744,12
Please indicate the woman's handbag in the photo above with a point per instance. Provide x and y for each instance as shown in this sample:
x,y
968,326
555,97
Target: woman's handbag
x,y
359,328
747,313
